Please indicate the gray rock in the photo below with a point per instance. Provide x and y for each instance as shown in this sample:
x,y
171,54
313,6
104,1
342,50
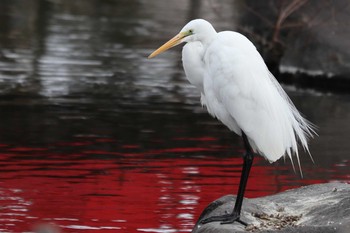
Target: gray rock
x,y
321,208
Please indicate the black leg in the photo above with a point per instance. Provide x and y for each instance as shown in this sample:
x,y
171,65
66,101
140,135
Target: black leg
x,y
235,215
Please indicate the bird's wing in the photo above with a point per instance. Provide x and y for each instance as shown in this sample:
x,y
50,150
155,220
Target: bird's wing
x,y
238,78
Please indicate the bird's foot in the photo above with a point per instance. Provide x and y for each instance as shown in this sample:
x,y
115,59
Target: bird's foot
x,y
224,219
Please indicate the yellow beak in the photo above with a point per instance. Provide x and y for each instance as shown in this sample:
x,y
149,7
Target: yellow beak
x,y
171,43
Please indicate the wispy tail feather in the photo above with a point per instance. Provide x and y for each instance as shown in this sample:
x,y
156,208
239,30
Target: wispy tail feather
x,y
303,129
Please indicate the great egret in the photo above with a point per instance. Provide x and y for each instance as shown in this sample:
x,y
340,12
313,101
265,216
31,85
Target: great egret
x,y
238,89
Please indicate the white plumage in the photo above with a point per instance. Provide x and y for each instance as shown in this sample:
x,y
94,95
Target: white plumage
x,y
238,89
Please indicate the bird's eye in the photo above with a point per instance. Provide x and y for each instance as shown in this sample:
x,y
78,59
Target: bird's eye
x,y
190,31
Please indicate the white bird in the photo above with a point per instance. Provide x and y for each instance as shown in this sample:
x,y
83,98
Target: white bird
x,y
238,89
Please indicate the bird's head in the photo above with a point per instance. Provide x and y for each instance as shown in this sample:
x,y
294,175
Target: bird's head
x,y
195,30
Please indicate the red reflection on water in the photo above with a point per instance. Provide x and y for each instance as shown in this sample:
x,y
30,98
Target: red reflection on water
x,y
26,149
97,190
130,146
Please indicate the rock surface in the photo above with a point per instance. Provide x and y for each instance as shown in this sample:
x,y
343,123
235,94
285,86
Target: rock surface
x,y
321,208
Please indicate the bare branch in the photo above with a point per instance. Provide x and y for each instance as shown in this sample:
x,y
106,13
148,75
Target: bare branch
x,y
284,13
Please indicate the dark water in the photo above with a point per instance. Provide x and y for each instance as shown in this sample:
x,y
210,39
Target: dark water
x,y
96,138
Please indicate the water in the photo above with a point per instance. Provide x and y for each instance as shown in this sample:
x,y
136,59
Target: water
x,y
96,138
